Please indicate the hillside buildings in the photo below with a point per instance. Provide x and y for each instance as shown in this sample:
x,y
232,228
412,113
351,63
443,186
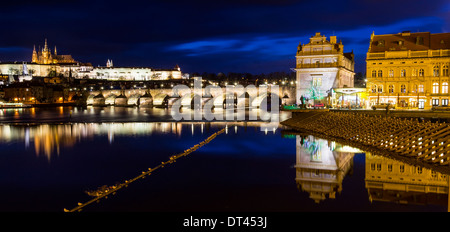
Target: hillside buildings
x,y
408,70
321,66
48,63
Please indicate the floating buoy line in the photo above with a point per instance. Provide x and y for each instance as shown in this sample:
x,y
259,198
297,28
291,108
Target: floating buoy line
x,y
104,191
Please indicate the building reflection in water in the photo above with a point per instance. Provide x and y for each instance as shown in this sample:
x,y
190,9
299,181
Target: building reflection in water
x,y
389,180
321,166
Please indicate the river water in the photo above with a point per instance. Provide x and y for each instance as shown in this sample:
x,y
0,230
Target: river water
x,y
49,157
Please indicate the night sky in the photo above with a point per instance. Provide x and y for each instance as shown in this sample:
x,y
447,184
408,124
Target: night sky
x,y
254,36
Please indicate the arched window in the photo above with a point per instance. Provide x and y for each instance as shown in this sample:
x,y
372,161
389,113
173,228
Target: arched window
x,y
380,88
445,71
421,72
380,73
391,73
391,88
435,87
374,88
403,88
436,71
374,73
403,73
421,90
445,87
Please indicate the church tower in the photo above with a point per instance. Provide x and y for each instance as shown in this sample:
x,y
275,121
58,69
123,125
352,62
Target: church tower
x,y
34,57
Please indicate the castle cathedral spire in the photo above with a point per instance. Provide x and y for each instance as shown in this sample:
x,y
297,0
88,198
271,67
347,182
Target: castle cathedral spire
x,y
55,51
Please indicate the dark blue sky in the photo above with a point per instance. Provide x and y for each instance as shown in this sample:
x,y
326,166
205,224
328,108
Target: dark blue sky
x,y
253,36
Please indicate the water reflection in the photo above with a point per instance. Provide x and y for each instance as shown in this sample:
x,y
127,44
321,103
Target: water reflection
x,y
321,166
48,139
389,180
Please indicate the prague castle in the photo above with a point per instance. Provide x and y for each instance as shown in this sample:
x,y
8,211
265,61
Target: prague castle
x,y
45,56
46,63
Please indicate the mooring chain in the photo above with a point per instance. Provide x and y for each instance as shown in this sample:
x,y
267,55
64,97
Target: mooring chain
x,y
104,191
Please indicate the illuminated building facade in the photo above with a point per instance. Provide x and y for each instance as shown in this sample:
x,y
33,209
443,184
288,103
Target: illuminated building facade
x,y
109,72
409,70
45,56
322,66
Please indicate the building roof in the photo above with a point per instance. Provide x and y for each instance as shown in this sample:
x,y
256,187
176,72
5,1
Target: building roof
x,y
409,41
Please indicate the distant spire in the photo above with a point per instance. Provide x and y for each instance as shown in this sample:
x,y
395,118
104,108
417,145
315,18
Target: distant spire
x,y
55,51
45,46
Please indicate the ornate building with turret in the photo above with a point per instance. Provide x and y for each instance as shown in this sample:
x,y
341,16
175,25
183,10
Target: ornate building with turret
x,y
321,67
45,56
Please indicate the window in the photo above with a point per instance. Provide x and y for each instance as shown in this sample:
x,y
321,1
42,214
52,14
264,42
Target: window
x,y
380,73
403,73
374,88
414,72
372,166
415,89
435,102
391,73
445,87
317,81
419,170
380,43
380,88
402,168
421,90
445,71
390,167
444,102
391,88
435,87
374,73
421,72
436,71
419,40
403,88
378,167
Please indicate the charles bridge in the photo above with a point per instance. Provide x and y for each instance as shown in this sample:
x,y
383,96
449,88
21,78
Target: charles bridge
x,y
239,96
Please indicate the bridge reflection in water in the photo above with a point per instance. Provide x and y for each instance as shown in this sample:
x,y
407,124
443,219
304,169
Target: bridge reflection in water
x,y
321,166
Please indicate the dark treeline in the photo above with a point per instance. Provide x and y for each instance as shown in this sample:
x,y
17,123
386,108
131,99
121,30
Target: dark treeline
x,y
232,76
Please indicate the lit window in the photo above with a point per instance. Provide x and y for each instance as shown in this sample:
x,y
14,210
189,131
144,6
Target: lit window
x,y
374,73
421,89
445,87
374,88
436,71
435,87
444,102
380,88
445,71
391,88
380,73
390,167
378,167
403,89
421,72
435,102
402,168
403,73
391,73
